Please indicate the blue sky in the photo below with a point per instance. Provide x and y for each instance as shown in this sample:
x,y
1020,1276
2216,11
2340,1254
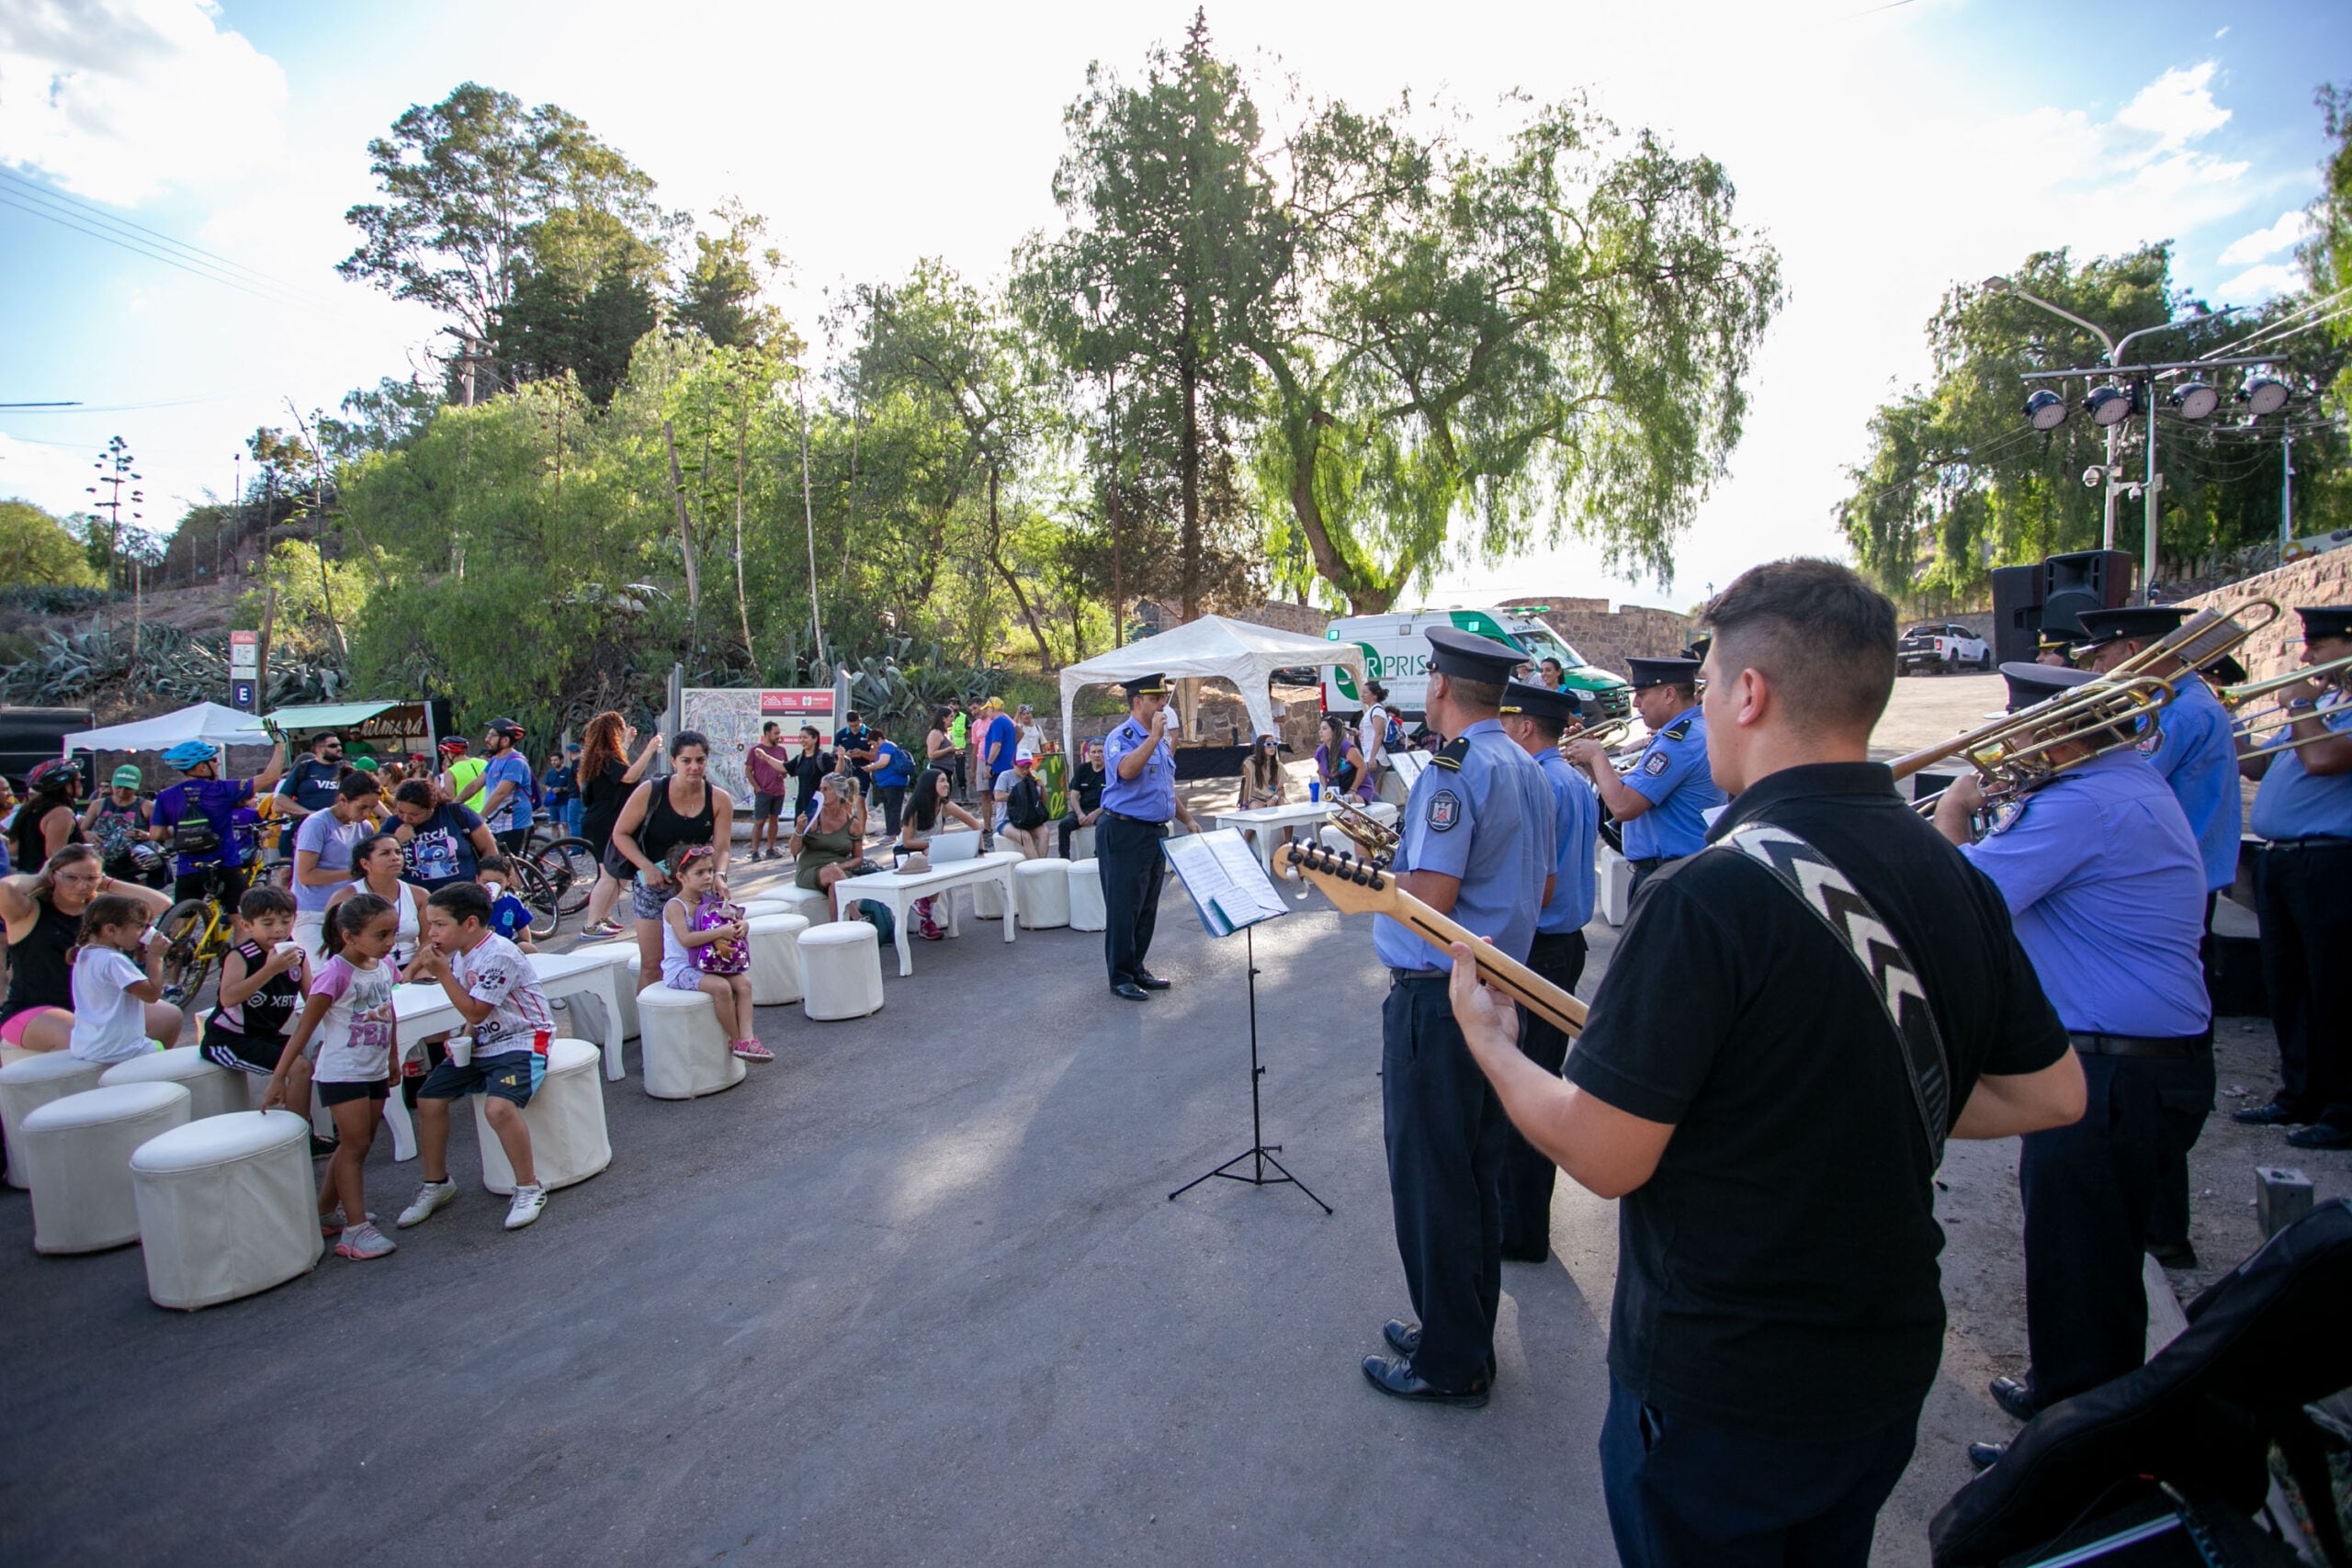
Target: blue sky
x,y
1886,151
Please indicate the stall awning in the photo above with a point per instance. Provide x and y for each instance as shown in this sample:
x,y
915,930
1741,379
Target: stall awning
x,y
326,715
1240,651
204,721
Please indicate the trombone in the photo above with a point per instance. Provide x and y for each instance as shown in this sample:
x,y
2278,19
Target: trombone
x,y
2271,717
1375,838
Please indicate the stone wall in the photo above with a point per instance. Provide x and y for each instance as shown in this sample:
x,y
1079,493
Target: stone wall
x,y
1304,620
2315,580
1608,637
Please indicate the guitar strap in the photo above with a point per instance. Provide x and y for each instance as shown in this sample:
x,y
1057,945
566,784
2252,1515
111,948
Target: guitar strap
x,y
1816,882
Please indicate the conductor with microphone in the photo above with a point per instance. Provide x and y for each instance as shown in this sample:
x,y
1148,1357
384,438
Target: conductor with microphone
x,y
1138,798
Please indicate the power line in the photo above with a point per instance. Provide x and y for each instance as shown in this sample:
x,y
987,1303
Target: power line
x,y
139,248
92,212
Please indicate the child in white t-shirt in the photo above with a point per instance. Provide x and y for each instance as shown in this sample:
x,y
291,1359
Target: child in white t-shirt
x,y
347,1031
110,991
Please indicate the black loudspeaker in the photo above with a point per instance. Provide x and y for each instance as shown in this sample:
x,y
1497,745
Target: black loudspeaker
x,y
2017,613
2085,579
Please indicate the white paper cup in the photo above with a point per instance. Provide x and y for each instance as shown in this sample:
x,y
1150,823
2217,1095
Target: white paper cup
x,y
462,1049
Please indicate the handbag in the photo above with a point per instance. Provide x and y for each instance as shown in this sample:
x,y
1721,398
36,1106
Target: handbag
x,y
1821,887
730,957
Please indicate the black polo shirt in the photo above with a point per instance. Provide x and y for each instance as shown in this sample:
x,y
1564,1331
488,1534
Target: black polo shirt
x,y
1776,1273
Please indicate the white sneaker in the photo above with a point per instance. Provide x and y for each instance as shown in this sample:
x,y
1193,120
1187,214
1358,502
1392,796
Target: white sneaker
x,y
529,1202
363,1241
431,1196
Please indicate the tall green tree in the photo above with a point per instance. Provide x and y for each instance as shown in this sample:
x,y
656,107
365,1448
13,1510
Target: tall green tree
x,y
37,550
724,293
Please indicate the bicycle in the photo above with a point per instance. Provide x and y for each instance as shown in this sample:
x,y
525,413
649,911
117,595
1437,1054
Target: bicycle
x,y
539,895
568,863
197,935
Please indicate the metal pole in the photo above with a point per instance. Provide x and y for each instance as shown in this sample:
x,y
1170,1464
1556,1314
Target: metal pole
x,y
2107,525
2154,485
2286,493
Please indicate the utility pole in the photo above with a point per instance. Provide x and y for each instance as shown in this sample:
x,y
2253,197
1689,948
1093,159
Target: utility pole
x,y
2286,493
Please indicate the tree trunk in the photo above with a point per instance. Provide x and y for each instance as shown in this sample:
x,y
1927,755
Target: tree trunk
x,y
743,602
686,535
1363,598
996,559
1189,460
269,598
1118,564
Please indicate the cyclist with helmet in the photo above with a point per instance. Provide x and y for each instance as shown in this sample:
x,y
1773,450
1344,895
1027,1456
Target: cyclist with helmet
x,y
196,818
47,821
116,823
506,786
461,774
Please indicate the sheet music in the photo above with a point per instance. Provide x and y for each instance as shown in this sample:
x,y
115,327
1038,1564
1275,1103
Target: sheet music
x,y
1228,886
1408,766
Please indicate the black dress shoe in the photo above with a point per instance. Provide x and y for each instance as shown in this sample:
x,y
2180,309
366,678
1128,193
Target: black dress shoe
x,y
1983,1455
1130,990
2014,1397
2323,1135
1150,981
2275,1114
2173,1253
1396,1377
1402,1336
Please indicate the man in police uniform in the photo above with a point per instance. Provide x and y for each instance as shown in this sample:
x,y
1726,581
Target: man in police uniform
x,y
2303,895
1138,798
1477,844
2114,938
2191,747
1661,800
1534,717
1739,1089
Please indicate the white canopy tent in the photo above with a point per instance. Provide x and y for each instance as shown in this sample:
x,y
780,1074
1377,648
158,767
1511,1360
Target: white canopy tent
x,y
204,721
1239,651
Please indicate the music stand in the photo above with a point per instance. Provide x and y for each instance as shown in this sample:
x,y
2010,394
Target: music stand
x,y
1230,890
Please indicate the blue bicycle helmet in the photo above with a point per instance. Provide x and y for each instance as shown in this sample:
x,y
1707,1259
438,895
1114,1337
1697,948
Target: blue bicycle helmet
x,y
188,753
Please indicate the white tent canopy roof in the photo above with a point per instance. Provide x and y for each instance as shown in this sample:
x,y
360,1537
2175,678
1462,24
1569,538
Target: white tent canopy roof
x,y
1240,651
204,721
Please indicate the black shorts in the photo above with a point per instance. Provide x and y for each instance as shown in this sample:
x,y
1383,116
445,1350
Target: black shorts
x,y
344,1093
224,884
240,1052
764,805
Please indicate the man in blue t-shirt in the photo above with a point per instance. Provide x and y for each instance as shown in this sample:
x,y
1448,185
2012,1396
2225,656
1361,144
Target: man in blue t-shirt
x,y
311,784
196,818
505,786
999,743
890,771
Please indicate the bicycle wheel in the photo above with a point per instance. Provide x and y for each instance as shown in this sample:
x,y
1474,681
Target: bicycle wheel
x,y
570,866
186,960
539,896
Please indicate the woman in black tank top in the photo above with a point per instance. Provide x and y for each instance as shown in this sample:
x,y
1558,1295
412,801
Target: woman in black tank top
x,y
43,915
685,808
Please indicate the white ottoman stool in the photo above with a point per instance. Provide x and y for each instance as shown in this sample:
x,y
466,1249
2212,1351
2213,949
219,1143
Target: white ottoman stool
x,y
810,903
765,905
587,1008
840,969
1086,912
1082,843
77,1151
566,1117
775,959
212,1092
686,1054
1616,887
987,900
1040,893
11,1055
227,1207
27,1086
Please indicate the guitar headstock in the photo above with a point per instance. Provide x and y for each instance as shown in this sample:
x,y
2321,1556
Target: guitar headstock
x,y
1354,886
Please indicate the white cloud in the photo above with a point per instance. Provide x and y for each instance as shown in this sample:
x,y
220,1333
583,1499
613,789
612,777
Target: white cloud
x,y
2259,283
52,475
2290,230
117,99
2175,109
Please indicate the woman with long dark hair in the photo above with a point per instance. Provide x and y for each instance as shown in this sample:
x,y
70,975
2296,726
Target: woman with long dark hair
x,y
930,807
605,779
682,807
1339,762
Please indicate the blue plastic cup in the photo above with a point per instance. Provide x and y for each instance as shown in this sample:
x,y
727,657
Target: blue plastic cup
x,y
1314,790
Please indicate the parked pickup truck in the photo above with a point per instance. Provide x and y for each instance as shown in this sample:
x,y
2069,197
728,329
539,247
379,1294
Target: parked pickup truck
x,y
1942,649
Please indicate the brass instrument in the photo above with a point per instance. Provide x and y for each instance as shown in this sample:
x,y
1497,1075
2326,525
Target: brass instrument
x,y
1375,838
2271,717
2013,753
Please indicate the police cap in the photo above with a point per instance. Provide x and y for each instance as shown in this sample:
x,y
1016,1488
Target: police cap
x,y
1472,658
2326,620
1147,686
2030,684
1539,702
1697,648
2146,622
2225,670
1663,673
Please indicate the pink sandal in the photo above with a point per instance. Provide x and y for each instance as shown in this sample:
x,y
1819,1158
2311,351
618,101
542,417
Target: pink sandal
x,y
753,1051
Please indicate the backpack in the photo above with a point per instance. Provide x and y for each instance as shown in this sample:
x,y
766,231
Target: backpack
x,y
1024,806
193,836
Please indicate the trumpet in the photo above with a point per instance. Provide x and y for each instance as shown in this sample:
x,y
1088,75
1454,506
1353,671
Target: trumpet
x,y
1611,733
1375,838
2269,718
2014,754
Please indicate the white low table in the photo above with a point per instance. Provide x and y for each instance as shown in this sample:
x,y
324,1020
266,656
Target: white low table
x,y
900,889
419,1009
595,969
1266,822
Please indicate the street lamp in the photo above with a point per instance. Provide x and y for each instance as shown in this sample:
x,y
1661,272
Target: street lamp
x,y
2263,395
2045,408
2195,399
2108,406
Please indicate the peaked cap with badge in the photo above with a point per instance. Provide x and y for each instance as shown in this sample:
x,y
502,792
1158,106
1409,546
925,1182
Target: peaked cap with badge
x,y
2143,622
1539,702
1677,671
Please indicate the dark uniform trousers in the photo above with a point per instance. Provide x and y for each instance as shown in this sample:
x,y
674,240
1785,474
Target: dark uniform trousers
x,y
1127,859
2303,895
2184,1124
1527,1173
1445,1130
1642,868
2088,1191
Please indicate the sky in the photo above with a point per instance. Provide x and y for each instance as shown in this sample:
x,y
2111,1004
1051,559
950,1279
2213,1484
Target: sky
x,y
1887,150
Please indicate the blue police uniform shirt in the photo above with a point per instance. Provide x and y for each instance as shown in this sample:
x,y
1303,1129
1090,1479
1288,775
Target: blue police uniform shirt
x,y
2295,804
1150,795
1672,776
1577,822
1487,821
2106,891
2193,753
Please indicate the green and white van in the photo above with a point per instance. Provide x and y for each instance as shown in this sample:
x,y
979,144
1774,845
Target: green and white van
x,y
1397,652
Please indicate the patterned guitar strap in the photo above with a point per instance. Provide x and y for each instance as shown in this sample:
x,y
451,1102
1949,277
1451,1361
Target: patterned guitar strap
x,y
1820,886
